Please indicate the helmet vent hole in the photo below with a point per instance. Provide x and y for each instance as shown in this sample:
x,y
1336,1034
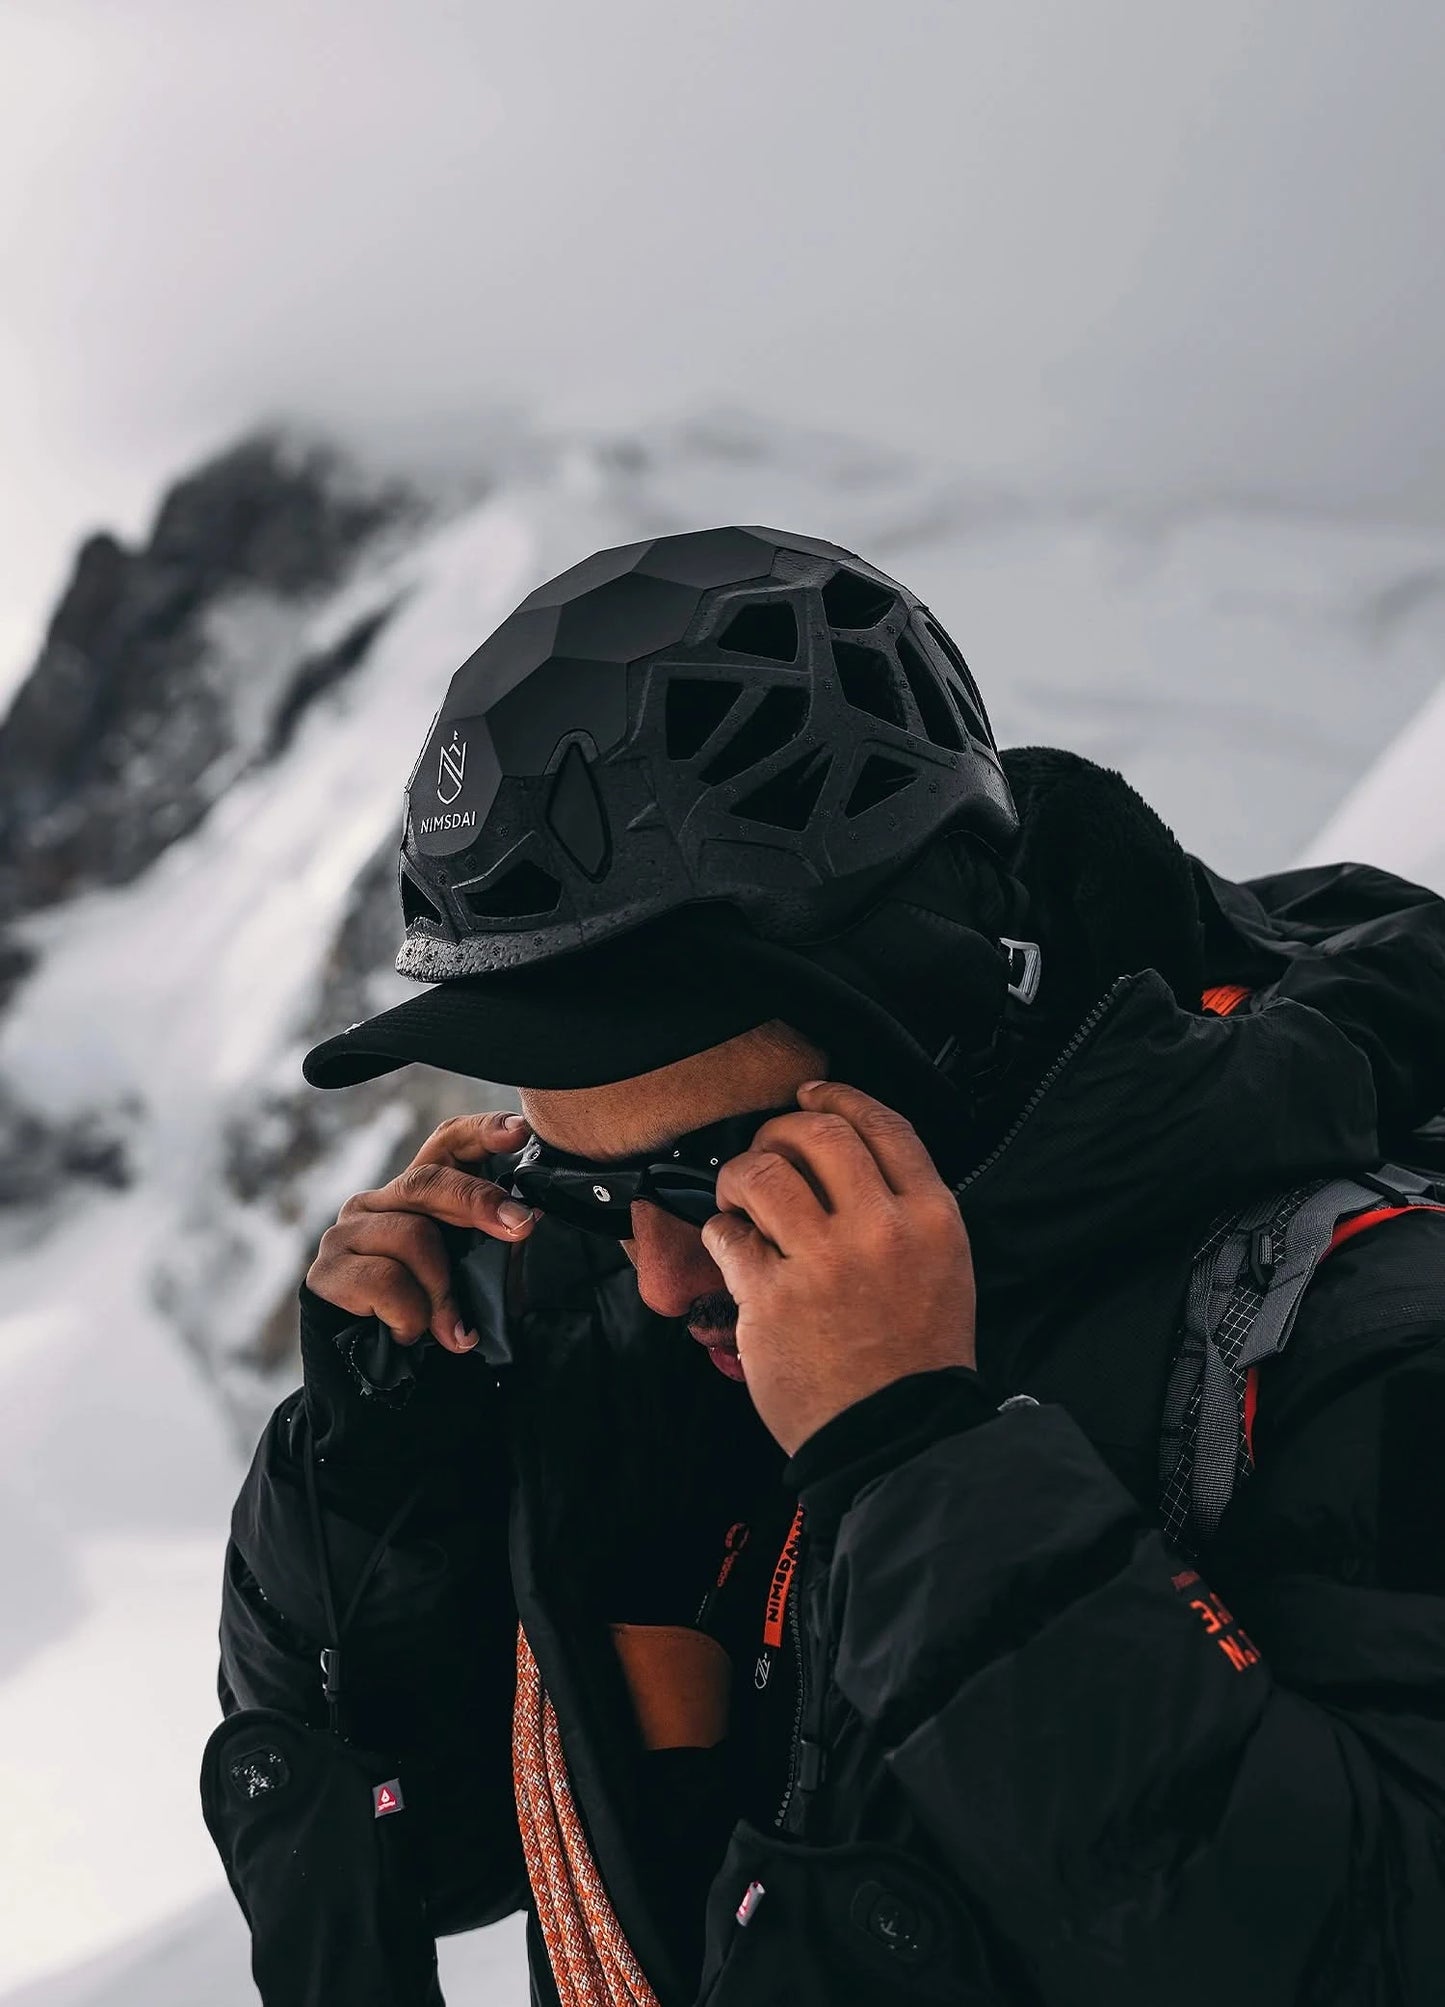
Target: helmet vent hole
x,y
961,684
789,798
415,905
767,630
775,723
878,779
695,709
852,601
940,720
575,814
869,683
524,890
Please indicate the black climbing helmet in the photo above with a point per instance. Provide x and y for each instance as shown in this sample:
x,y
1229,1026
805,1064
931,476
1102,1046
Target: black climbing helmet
x,y
729,715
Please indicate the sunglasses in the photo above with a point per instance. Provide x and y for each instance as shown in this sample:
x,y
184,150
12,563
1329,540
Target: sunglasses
x,y
679,1177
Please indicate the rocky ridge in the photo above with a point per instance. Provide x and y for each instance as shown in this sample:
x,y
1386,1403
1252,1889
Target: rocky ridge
x,y
168,671
137,715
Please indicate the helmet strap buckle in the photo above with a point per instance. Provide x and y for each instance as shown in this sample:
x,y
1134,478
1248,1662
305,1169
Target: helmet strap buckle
x,y
1026,968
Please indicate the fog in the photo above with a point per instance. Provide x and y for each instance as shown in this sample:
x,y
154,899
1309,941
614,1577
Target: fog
x,y
1141,250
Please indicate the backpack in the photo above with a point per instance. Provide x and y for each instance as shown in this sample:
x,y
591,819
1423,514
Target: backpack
x,y
1245,1287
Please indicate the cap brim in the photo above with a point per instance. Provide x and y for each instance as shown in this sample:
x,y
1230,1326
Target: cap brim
x,y
525,1033
642,1002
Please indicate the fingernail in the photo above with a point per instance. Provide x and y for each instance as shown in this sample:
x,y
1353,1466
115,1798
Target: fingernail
x,y
466,1340
808,1086
513,1215
515,1123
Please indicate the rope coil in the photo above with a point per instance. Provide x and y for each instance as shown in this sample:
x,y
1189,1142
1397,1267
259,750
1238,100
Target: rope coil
x,y
591,1960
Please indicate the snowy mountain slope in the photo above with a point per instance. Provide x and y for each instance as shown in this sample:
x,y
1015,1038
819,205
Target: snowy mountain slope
x,y
1244,671
1395,815
202,1959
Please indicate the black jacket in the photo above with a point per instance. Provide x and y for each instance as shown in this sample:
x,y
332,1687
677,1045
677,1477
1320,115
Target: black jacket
x,y
1034,1756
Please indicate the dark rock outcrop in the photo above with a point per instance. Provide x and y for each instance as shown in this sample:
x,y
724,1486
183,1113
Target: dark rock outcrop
x,y
122,735
322,672
38,1156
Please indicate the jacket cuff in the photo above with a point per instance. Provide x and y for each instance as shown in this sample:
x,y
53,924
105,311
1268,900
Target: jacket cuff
x,y
878,1433
335,1341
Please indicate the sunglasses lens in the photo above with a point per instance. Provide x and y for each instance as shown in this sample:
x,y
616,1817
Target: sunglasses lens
x,y
577,1199
598,1198
687,1195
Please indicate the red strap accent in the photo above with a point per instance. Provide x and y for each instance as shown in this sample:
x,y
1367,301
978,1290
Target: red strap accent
x,y
1251,1402
1224,1000
1346,1230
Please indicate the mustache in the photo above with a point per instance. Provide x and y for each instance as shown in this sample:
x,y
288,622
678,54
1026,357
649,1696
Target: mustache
x,y
713,1312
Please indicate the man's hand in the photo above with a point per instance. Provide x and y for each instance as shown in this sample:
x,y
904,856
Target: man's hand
x,y
384,1256
846,1256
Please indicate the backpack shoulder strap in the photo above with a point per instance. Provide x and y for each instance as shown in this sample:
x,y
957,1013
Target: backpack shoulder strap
x,y
1245,1288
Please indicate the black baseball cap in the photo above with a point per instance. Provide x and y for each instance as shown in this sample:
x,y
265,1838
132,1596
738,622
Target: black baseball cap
x,y
639,1002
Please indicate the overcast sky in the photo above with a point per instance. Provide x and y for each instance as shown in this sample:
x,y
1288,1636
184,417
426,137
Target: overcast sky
x,y
1142,246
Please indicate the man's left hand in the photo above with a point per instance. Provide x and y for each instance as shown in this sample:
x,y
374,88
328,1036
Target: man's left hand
x,y
847,1258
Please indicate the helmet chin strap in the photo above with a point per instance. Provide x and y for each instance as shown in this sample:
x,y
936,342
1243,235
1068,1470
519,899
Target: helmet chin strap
x,y
932,953
1026,968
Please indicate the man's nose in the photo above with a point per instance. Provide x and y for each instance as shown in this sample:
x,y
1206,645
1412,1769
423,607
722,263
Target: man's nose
x,y
673,1267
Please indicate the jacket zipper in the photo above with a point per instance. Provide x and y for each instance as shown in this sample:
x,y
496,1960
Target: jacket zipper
x,y
795,1587
1080,1037
796,1633
735,1540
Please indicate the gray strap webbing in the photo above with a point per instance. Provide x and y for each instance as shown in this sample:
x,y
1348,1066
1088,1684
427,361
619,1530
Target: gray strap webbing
x,y
1244,1292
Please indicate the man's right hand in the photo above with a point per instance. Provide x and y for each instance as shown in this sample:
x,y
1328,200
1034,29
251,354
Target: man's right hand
x,y
384,1257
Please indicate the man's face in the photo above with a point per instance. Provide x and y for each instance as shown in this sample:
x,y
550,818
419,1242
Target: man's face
x,y
676,1276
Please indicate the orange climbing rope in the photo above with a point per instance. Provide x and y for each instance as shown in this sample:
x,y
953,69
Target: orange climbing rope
x,y
592,1962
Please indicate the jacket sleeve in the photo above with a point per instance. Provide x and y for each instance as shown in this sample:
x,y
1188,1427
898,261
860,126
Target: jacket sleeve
x,y
345,1897
1153,1794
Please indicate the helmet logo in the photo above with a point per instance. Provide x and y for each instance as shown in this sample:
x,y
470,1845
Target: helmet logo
x,y
451,770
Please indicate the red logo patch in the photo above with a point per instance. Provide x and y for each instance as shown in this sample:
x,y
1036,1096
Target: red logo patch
x,y
387,1798
1218,1621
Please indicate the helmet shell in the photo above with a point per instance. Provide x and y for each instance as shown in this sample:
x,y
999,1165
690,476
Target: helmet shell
x,y
733,715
